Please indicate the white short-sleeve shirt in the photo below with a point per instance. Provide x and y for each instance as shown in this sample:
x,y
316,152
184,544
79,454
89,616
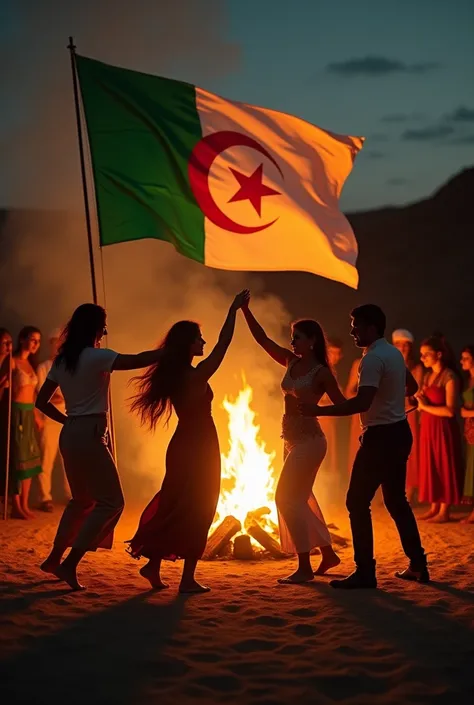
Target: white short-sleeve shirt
x,y
86,391
382,366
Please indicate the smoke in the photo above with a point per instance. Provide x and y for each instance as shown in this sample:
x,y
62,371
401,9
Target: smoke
x,y
45,273
181,39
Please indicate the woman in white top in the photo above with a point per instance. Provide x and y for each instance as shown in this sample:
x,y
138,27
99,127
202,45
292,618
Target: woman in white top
x,y
308,377
82,372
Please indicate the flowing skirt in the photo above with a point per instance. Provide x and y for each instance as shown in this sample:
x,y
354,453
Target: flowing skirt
x,y
176,522
441,465
25,452
301,522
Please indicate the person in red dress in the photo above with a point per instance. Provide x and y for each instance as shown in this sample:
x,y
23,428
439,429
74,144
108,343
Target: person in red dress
x,y
404,341
176,522
441,465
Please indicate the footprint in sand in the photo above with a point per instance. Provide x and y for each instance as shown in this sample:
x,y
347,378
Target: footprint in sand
x,y
220,683
255,668
232,608
208,622
247,646
292,649
269,621
205,657
304,630
304,612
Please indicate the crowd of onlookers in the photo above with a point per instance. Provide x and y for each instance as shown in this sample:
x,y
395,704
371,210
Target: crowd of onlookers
x,y
440,470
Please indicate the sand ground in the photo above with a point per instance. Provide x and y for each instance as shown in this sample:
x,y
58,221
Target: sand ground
x,y
249,641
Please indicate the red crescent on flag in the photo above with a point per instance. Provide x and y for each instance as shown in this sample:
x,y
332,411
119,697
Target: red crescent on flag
x,y
200,163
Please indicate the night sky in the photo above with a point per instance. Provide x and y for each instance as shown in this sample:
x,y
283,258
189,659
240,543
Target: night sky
x,y
401,74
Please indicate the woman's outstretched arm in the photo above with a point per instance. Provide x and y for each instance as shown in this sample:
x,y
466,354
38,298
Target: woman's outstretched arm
x,y
278,353
212,362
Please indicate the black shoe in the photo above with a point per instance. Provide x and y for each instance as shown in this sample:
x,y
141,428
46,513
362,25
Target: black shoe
x,y
356,581
47,507
414,576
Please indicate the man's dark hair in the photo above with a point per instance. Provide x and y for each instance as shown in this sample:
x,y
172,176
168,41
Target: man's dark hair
x,y
371,315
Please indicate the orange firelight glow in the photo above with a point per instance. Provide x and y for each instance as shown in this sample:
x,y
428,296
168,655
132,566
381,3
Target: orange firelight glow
x,y
248,476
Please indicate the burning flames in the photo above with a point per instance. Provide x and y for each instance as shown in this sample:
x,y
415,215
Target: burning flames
x,y
248,480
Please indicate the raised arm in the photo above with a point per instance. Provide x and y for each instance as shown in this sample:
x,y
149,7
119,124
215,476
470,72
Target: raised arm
x,y
278,353
137,361
43,401
212,362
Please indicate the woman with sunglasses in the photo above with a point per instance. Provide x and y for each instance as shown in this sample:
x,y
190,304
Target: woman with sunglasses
x,y
82,372
308,377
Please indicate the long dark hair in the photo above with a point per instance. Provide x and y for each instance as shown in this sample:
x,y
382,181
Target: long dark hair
x,y
23,335
312,329
159,385
439,344
86,324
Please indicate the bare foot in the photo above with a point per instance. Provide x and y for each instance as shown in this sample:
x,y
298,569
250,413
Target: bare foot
x,y
154,579
68,575
427,515
49,566
326,564
439,519
300,576
468,520
193,588
19,514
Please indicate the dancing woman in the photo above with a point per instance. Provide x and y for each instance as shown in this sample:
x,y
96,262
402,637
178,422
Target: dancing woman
x,y
176,522
82,372
308,377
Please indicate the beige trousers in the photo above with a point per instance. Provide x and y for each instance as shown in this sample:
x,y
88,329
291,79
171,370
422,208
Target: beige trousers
x,y
301,521
97,499
49,444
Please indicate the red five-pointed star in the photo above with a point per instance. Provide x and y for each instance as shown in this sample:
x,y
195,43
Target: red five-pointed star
x,y
252,188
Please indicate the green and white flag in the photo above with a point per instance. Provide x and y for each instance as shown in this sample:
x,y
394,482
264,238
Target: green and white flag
x,y
230,185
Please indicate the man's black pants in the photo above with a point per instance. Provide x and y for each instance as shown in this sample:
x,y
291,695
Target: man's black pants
x,y
382,460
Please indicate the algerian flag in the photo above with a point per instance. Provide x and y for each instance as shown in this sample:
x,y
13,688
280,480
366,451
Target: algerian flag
x,y
231,185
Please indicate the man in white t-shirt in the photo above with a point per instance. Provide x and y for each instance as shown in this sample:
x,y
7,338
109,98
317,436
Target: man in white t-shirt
x,y
49,435
385,445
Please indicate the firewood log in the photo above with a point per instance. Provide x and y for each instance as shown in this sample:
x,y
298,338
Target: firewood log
x,y
265,540
222,535
243,549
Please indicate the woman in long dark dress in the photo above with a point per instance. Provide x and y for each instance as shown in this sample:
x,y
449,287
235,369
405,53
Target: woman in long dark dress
x,y
176,522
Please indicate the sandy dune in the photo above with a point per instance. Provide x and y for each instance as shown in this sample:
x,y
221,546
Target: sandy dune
x,y
248,641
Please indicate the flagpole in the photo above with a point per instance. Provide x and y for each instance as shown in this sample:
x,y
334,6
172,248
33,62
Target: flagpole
x,y
9,426
87,210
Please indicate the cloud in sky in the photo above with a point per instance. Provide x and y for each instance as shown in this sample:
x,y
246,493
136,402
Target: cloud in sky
x,y
397,181
432,133
464,139
461,114
402,117
374,66
374,154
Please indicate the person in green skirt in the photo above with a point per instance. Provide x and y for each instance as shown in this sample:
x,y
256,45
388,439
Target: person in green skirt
x,y
467,412
25,456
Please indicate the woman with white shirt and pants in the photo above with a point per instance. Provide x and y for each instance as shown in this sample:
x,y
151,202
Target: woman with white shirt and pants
x,y
82,372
